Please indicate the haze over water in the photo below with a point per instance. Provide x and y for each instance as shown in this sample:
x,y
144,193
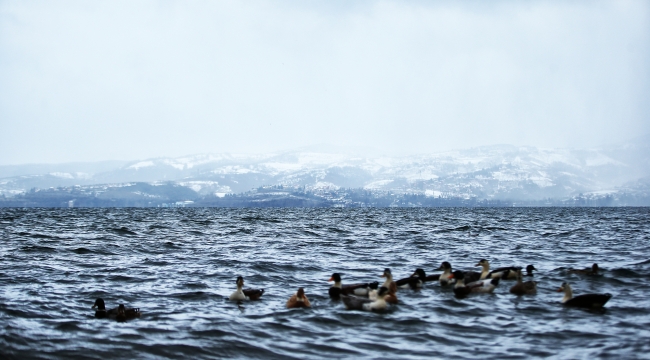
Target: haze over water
x,y
179,266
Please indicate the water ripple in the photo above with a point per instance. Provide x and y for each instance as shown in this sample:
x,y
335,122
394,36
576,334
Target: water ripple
x,y
178,266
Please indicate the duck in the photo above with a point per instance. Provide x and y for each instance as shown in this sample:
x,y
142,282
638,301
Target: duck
x,y
124,314
470,276
245,294
502,272
529,270
482,286
337,289
589,301
391,296
593,270
102,313
298,300
414,282
460,290
523,288
445,278
365,304
473,276
506,273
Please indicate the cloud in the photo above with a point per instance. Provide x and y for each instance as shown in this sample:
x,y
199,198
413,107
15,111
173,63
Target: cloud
x,y
123,80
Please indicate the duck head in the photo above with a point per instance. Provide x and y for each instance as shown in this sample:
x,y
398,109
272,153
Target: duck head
x,y
483,263
240,281
594,268
387,274
336,277
444,266
419,273
566,288
300,294
99,304
529,270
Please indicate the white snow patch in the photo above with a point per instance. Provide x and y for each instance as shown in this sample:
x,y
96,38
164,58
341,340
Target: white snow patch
x,y
325,186
236,169
62,175
81,175
377,184
542,181
11,192
602,192
434,193
141,164
502,176
285,167
195,187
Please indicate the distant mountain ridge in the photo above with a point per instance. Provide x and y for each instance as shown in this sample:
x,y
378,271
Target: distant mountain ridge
x,y
487,172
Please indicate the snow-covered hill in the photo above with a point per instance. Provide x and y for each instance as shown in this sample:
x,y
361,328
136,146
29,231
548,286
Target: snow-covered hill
x,y
490,172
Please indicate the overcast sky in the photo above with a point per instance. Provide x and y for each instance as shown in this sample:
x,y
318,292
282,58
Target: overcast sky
x,y
125,80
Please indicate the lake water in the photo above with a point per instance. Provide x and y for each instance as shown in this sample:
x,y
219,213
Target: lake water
x,y
179,266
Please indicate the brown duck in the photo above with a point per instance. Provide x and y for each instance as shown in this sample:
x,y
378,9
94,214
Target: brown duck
x,y
523,288
298,300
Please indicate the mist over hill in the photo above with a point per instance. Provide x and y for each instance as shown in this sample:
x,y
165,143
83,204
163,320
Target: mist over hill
x,y
610,175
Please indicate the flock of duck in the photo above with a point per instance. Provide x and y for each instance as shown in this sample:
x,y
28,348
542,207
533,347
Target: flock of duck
x,y
373,297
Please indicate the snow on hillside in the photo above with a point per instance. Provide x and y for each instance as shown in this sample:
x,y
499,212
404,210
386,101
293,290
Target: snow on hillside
x,y
493,172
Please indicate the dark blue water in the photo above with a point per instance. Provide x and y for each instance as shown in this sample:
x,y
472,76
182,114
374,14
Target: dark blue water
x,y
179,265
